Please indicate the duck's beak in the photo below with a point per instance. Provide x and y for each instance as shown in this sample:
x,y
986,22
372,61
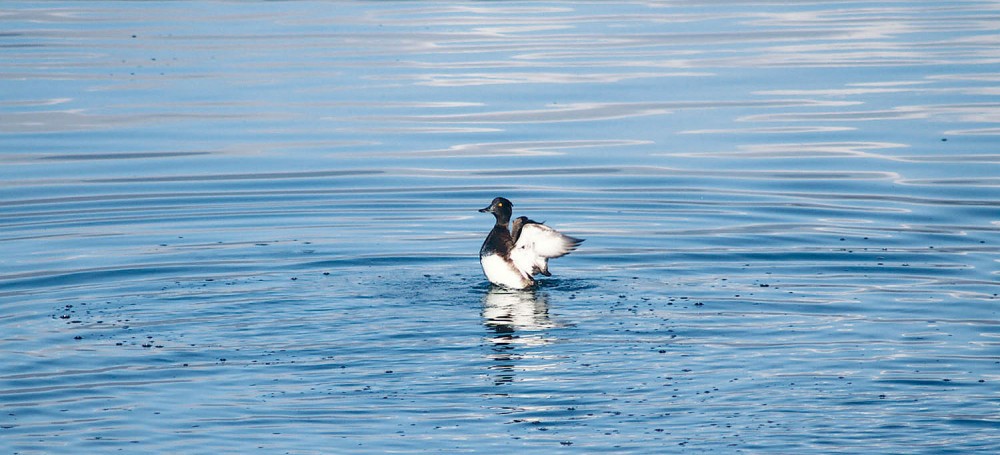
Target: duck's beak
x,y
485,210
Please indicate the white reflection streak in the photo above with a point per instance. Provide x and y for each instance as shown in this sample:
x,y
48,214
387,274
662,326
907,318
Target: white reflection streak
x,y
972,112
471,79
525,148
568,113
32,103
603,111
897,113
975,132
773,130
806,150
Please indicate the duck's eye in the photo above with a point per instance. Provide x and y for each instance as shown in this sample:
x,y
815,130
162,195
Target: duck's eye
x,y
499,204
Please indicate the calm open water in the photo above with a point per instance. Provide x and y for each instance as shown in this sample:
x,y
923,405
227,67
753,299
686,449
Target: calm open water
x,y
233,226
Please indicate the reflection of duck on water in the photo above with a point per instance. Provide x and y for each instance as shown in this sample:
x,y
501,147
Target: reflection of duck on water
x,y
507,311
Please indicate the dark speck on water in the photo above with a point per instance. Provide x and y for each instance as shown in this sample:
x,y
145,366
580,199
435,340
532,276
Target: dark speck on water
x,y
790,209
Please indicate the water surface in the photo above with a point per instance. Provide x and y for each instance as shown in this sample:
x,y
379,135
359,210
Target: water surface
x,y
231,226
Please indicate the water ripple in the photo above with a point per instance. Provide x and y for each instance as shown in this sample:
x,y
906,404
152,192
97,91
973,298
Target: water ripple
x,y
253,226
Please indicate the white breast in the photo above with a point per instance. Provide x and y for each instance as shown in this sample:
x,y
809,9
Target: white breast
x,y
502,272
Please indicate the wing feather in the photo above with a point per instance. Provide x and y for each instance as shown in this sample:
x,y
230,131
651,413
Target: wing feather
x,y
536,244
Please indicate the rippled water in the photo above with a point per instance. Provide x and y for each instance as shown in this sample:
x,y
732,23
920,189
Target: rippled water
x,y
230,226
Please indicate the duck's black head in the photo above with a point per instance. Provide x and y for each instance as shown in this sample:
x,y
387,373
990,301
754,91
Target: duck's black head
x,y
500,208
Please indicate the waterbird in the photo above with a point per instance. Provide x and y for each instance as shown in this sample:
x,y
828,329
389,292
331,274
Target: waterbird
x,y
511,258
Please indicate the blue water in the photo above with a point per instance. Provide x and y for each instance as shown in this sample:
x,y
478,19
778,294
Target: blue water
x,y
232,226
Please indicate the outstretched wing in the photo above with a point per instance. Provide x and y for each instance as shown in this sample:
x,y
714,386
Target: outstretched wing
x,y
536,243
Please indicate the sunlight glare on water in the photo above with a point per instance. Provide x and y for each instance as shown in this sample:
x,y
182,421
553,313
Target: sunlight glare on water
x,y
227,226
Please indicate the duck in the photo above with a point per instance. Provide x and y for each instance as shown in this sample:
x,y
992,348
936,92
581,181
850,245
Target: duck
x,y
511,257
